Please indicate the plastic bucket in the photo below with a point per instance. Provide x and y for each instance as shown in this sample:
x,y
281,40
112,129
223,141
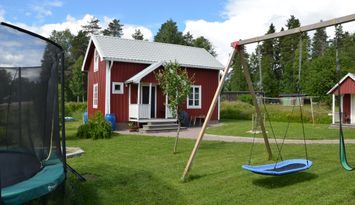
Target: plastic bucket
x,y
85,117
112,119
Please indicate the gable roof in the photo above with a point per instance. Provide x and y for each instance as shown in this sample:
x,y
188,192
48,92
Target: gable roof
x,y
351,75
138,77
137,51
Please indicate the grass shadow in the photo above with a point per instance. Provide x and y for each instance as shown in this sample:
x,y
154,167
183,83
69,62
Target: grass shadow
x,y
272,182
193,177
122,185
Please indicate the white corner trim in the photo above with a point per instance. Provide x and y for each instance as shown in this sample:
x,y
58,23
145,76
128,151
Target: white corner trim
x,y
108,87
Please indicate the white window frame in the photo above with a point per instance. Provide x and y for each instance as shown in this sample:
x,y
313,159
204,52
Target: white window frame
x,y
114,91
95,98
96,61
193,98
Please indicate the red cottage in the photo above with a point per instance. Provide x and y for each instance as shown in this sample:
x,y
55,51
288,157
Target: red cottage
x,y
121,78
347,100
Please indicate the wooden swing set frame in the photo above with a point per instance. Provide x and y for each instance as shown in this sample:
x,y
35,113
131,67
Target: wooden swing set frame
x,y
239,49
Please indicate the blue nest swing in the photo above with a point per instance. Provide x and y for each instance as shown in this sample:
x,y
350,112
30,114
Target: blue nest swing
x,y
289,166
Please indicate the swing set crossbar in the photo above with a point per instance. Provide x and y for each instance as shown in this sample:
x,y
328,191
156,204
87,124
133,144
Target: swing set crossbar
x,y
311,27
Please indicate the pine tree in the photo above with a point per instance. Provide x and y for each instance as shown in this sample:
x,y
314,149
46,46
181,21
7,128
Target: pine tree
x,y
288,47
319,43
79,44
169,33
270,64
114,29
236,81
138,35
92,27
188,39
203,42
76,84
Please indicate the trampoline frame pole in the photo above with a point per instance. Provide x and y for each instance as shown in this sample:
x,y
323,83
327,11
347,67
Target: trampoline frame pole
x,y
63,111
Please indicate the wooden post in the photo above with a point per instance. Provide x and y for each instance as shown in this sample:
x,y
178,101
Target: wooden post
x,y
312,110
129,94
139,100
166,107
150,100
333,109
257,109
208,117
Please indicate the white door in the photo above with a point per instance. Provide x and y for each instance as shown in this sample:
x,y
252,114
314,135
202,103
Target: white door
x,y
352,109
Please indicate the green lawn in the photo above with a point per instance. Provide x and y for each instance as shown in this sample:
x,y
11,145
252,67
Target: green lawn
x,y
317,131
143,170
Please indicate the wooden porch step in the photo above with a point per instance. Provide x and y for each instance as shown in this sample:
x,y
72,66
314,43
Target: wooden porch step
x,y
161,129
156,125
161,126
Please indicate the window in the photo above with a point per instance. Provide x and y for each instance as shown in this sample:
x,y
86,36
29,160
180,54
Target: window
x,y
95,98
96,61
117,88
194,99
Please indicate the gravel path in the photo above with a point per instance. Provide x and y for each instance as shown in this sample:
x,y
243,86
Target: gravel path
x,y
192,133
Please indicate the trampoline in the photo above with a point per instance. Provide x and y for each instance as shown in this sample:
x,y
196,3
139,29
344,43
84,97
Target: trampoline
x,y
280,168
31,154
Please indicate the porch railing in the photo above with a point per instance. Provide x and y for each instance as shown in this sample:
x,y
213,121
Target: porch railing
x,y
144,111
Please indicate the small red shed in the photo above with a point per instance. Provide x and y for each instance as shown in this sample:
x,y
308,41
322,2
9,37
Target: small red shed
x,y
346,86
121,78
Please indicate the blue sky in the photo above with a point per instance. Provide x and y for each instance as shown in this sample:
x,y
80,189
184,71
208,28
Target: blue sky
x,y
220,21
150,13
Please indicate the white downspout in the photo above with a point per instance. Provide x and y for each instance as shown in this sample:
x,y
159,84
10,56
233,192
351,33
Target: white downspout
x,y
109,65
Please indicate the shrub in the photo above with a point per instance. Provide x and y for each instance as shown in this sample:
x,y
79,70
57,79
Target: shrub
x,y
245,98
83,131
96,128
71,107
236,110
243,111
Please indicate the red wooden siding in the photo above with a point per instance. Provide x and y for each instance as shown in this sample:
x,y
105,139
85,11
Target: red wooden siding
x,y
121,72
98,77
208,79
346,87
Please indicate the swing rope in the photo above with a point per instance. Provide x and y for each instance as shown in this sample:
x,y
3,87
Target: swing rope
x,y
298,88
261,88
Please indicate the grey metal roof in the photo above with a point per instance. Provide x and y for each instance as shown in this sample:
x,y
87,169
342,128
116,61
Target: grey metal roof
x,y
138,77
136,51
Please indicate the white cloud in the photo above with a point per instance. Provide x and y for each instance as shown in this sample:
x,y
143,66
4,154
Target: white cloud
x,y
71,23
75,25
43,9
128,30
245,19
2,14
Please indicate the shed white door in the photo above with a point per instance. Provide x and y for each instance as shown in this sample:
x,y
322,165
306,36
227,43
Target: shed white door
x,y
352,109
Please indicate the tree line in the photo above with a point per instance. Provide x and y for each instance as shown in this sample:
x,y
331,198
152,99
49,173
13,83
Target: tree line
x,y
278,60
75,48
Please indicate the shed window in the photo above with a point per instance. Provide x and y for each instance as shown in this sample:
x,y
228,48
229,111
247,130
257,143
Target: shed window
x,y
194,99
95,98
117,88
96,61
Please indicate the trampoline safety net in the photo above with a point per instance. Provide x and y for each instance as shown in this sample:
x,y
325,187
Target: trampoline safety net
x,y
29,119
